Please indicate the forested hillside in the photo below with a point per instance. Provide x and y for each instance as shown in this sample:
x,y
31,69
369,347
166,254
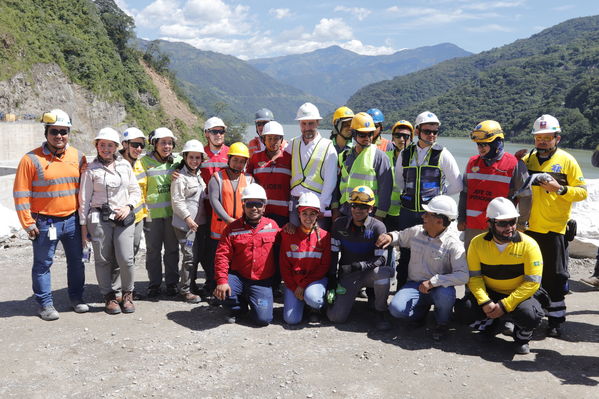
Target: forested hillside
x,y
554,71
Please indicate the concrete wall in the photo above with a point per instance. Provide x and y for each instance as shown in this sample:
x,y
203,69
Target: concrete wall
x,y
18,138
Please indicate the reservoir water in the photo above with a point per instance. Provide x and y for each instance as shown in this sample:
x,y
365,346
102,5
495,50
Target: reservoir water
x,y
461,148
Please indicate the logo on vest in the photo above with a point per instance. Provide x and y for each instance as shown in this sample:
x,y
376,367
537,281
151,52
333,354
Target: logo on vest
x,y
557,168
293,247
262,163
475,169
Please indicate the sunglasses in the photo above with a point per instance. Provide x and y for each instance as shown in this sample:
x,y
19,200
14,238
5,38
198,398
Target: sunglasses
x,y
544,138
429,131
482,144
215,132
505,223
363,135
254,204
401,136
62,132
137,145
360,206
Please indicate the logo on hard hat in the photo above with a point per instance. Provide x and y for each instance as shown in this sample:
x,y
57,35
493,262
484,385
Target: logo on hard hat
x,y
367,124
543,125
430,115
478,127
126,134
293,247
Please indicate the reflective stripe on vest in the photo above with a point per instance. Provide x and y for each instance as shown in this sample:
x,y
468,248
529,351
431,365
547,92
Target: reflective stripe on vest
x,y
362,173
284,171
395,204
230,200
43,182
158,183
304,255
309,177
421,182
484,184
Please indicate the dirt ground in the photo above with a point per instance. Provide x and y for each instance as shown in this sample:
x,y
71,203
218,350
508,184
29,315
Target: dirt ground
x,y
174,349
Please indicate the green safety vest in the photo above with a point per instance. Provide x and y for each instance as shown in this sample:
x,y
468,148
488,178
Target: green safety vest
x,y
421,182
395,205
309,176
362,173
158,192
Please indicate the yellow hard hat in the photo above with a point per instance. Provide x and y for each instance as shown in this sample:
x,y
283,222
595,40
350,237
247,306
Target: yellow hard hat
x,y
362,122
362,195
342,113
486,131
239,149
405,123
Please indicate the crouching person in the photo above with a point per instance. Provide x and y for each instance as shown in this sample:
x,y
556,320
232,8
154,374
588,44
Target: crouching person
x,y
360,262
437,265
245,260
305,258
505,272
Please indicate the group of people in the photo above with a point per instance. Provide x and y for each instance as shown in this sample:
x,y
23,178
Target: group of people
x,y
322,215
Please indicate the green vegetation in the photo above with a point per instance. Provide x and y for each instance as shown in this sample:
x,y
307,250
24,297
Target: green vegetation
x,y
552,72
89,41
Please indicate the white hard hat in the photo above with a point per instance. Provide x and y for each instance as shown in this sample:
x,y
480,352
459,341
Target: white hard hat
x,y
426,117
443,205
253,191
56,117
501,208
213,122
108,133
307,111
273,128
308,199
160,133
193,146
132,133
546,124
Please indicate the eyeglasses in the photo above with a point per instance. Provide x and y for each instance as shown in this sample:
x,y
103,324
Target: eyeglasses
x,y
135,144
360,206
505,223
429,131
215,132
254,204
406,137
363,135
544,138
62,132
261,123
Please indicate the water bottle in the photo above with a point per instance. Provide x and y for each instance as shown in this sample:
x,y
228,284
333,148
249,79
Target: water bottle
x,y
86,255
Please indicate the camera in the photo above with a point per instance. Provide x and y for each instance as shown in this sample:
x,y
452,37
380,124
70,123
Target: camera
x,y
105,212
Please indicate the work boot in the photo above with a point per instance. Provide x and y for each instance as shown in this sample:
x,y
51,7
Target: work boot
x,y
440,332
79,306
48,313
127,303
191,298
508,329
522,348
382,321
171,290
313,316
112,305
153,293
593,281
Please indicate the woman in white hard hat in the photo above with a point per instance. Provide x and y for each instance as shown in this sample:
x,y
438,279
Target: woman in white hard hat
x,y
107,196
188,192
305,257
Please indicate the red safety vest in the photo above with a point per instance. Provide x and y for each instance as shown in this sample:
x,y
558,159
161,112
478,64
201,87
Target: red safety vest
x,y
484,184
214,163
231,201
274,175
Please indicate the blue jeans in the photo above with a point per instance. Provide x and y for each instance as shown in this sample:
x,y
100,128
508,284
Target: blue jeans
x,y
409,303
256,293
293,308
68,232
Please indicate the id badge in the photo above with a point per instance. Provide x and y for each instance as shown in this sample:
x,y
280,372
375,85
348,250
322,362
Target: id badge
x,y
52,233
96,217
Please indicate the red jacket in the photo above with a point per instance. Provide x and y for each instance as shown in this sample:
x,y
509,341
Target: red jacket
x,y
303,258
247,251
214,163
275,176
484,184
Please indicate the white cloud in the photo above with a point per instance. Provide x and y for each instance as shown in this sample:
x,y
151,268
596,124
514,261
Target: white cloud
x,y
358,12
358,47
179,31
332,29
280,13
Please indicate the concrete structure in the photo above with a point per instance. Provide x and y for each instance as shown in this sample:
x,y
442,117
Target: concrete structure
x,y
18,138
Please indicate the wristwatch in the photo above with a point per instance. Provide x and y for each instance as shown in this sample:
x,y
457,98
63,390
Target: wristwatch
x,y
562,190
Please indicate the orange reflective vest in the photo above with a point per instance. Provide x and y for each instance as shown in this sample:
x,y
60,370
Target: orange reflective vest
x,y
47,184
230,199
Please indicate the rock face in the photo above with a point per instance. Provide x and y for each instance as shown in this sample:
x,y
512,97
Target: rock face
x,y
45,87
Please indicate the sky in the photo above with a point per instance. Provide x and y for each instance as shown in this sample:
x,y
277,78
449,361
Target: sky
x,y
267,28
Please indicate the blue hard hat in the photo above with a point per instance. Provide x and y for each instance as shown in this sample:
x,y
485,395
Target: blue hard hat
x,y
377,115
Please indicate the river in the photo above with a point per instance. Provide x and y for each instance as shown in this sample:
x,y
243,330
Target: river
x,y
462,148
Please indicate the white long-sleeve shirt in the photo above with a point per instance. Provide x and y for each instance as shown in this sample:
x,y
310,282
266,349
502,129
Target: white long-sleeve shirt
x,y
441,259
451,178
329,174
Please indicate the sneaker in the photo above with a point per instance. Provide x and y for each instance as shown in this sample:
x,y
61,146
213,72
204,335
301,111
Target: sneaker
x,y
79,306
554,332
205,294
48,313
593,281
111,306
522,349
171,290
382,321
314,316
440,332
508,329
362,293
127,303
153,293
231,318
191,298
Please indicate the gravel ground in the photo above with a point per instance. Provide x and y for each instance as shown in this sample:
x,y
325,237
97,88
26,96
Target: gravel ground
x,y
173,349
